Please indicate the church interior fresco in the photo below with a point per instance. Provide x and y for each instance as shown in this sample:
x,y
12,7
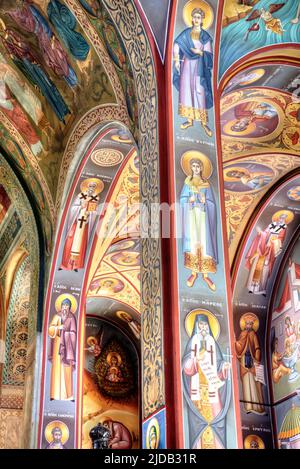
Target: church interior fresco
x,y
67,69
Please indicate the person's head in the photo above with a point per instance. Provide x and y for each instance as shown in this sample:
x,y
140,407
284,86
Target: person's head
x,y
275,344
126,317
91,187
236,173
152,437
283,218
241,124
107,423
288,321
203,328
66,305
249,324
196,167
288,347
114,361
197,17
56,434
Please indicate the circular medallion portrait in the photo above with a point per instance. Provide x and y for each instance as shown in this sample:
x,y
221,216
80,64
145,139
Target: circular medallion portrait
x,y
252,119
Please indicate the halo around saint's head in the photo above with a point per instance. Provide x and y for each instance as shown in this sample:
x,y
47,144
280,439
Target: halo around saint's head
x,y
91,341
213,322
259,444
288,214
99,185
66,296
112,355
196,155
251,317
204,6
57,424
153,423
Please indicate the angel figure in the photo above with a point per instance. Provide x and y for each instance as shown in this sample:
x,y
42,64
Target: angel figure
x,y
271,23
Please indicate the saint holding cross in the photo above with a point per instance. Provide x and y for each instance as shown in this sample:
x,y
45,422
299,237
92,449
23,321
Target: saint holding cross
x,y
81,222
205,374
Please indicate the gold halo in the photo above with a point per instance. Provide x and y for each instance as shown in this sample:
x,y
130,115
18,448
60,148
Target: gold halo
x,y
189,7
196,155
99,184
62,426
234,168
258,440
260,73
91,341
113,354
153,423
213,322
250,316
66,296
289,219
227,129
120,313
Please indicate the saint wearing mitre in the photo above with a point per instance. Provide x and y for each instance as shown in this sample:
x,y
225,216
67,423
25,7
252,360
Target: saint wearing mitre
x,y
81,222
193,62
206,384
